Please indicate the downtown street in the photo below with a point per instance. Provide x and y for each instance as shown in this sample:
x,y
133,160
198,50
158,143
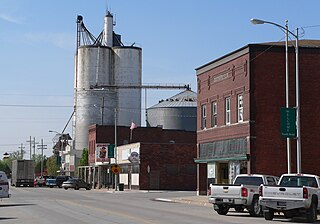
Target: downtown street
x,y
45,205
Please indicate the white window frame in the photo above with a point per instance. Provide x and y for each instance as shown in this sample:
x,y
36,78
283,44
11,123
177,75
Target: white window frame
x,y
227,111
203,116
240,108
214,114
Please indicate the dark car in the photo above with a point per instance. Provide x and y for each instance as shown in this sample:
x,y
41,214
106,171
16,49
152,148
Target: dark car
x,y
51,183
61,179
76,184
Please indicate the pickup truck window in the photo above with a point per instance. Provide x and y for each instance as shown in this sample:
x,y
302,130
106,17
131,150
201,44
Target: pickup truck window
x,y
256,181
298,181
271,181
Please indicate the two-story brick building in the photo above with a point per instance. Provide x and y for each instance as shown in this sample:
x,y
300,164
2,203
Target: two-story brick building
x,y
239,100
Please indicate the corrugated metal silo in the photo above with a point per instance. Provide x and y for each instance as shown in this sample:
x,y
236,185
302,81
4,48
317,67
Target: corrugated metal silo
x,y
177,112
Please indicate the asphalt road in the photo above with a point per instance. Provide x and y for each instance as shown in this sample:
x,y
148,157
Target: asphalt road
x,y
45,205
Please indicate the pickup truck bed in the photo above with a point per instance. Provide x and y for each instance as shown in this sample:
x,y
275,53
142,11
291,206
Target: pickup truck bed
x,y
243,194
297,195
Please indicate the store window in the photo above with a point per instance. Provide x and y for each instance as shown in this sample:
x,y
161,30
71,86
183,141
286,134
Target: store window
x,y
240,108
228,111
214,114
203,116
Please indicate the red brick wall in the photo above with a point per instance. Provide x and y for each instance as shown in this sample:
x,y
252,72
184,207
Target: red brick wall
x,y
105,134
160,157
236,83
267,76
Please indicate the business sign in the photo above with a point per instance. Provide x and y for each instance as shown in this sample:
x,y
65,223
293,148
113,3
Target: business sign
x,y
134,157
288,122
101,152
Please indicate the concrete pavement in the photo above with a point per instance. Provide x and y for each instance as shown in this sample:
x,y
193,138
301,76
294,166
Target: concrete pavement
x,y
194,199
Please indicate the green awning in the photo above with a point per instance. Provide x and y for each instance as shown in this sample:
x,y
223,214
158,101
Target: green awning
x,y
199,160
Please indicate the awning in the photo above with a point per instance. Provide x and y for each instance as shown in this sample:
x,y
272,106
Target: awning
x,y
204,160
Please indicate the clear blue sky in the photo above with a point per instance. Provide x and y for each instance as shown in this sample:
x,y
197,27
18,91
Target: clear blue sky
x,y
38,38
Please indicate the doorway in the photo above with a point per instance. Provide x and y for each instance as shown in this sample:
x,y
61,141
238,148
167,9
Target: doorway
x,y
222,173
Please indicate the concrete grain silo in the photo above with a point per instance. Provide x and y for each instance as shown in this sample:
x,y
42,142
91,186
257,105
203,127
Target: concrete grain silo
x,y
177,112
127,62
104,61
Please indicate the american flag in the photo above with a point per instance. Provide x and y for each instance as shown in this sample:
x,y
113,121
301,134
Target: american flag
x,y
133,126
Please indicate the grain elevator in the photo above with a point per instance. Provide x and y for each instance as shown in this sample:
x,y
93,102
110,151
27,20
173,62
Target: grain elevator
x,y
105,61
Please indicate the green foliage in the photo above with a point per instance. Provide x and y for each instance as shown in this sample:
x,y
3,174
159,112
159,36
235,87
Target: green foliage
x,y
15,155
84,158
52,166
4,166
38,163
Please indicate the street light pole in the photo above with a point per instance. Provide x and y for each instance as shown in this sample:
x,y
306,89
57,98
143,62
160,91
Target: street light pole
x,y
298,104
115,148
287,97
258,21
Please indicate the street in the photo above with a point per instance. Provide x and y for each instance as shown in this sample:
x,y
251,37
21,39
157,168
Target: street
x,y
46,205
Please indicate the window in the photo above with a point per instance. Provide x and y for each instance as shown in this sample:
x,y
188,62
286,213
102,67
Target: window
x,y
228,112
203,116
240,108
214,114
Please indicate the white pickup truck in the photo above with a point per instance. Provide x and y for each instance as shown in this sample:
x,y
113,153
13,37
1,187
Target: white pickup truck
x,y
242,194
296,195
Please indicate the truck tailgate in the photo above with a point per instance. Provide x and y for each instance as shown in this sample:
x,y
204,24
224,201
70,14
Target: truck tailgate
x,y
282,192
226,191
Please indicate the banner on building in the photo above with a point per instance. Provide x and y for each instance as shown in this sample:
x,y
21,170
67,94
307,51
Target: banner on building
x,y
102,152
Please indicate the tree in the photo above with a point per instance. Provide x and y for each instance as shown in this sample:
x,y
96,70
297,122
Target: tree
x,y
15,155
84,158
52,165
4,166
37,160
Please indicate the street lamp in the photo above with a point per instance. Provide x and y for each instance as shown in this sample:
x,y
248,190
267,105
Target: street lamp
x,y
287,31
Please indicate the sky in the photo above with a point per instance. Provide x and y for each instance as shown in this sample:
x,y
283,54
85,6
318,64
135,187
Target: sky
x,y
38,40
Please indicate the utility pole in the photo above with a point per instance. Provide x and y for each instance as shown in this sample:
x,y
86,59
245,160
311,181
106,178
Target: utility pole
x,y
42,147
102,111
22,151
34,147
30,141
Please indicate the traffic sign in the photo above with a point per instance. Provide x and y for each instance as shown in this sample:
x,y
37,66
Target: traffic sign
x,y
116,169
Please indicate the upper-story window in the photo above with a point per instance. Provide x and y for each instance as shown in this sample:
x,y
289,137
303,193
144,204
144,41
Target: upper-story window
x,y
203,116
228,111
214,114
240,108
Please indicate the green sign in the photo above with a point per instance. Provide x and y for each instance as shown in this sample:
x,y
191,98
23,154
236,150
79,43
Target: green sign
x,y
111,151
288,122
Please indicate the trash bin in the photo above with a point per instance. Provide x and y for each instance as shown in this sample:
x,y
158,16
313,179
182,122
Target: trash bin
x,y
121,187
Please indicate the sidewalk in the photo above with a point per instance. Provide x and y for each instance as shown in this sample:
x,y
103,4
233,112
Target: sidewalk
x,y
194,200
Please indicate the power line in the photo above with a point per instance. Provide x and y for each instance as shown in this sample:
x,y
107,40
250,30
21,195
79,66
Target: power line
x,y
40,106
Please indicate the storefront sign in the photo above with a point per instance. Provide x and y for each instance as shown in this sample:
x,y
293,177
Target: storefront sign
x,y
102,152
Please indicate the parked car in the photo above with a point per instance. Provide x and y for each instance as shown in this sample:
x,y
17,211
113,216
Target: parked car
x,y
4,185
51,183
39,182
61,179
76,184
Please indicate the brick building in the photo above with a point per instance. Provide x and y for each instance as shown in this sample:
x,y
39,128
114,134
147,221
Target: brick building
x,y
169,153
239,100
